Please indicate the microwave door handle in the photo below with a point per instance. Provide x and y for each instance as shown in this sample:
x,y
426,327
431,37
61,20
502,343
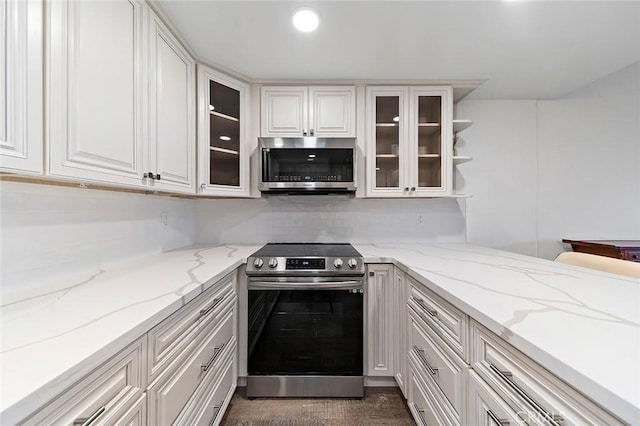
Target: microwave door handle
x,y
265,165
302,285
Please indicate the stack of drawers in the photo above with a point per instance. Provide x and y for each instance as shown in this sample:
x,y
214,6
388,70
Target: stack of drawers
x,y
438,351
192,362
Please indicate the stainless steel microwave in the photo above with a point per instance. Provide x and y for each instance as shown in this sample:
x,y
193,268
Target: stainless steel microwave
x,y
307,165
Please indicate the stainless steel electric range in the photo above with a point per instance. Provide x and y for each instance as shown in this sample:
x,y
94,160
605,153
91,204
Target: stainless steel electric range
x,y
305,321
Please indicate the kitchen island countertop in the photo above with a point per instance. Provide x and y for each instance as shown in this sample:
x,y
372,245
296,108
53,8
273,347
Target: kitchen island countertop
x,y
584,326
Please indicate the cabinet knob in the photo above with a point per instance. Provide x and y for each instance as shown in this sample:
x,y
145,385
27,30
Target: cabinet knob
x,y
406,188
158,176
203,186
311,132
304,132
413,188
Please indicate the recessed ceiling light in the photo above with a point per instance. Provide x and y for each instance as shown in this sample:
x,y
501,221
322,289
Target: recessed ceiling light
x,y
225,138
306,20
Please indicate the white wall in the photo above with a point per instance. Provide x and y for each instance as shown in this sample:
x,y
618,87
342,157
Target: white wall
x,y
48,232
548,170
329,219
589,152
502,177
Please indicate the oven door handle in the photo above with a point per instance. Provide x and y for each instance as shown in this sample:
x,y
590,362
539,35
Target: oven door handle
x,y
304,285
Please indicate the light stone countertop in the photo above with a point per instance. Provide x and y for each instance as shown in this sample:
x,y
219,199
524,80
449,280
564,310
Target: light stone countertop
x,y
583,326
580,324
52,338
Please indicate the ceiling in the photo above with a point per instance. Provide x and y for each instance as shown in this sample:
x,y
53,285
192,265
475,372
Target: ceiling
x,y
523,49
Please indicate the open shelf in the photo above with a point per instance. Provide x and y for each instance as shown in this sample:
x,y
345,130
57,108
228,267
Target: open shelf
x,y
460,125
459,159
428,155
387,155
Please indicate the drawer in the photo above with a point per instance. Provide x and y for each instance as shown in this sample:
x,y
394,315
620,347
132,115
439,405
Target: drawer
x,y
208,405
528,388
442,368
422,403
170,336
105,395
134,416
171,392
486,408
447,321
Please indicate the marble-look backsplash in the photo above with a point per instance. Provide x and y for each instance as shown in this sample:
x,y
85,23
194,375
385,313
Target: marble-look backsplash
x,y
331,218
48,232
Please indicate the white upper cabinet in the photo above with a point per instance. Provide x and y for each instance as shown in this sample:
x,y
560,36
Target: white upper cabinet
x,y
172,137
21,118
96,73
409,141
223,129
319,111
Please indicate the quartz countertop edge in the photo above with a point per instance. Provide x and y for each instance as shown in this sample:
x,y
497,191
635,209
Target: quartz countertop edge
x,y
516,297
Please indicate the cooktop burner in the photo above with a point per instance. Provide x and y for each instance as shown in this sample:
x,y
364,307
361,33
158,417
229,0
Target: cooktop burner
x,y
306,259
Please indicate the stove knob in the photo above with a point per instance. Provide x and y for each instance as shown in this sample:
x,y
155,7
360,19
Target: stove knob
x,y
337,263
352,263
273,262
258,263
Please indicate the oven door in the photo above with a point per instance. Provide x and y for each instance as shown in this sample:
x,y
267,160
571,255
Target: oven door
x,y
305,326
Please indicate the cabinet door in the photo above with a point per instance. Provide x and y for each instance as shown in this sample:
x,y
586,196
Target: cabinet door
x,y
21,119
431,141
387,139
172,138
380,325
95,80
284,112
223,104
332,111
400,329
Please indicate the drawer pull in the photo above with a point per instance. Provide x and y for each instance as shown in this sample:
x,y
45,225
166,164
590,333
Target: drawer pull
x,y
420,353
421,415
86,421
506,376
496,420
216,352
216,411
420,302
215,303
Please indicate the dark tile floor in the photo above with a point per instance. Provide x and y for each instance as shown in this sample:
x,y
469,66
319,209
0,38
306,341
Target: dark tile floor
x,y
380,406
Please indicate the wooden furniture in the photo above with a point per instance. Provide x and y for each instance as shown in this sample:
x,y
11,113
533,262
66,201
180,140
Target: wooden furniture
x,y
619,249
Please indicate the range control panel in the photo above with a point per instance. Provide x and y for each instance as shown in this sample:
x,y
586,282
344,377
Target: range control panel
x,y
305,263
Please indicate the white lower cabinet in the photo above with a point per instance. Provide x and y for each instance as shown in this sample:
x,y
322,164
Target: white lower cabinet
x,y
380,326
211,399
109,395
440,369
486,407
172,391
400,338
532,392
422,402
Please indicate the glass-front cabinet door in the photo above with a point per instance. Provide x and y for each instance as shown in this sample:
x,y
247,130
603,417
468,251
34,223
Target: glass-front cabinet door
x,y
223,161
387,139
409,141
431,140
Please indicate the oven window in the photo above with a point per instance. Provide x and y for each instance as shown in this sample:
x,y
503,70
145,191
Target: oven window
x,y
307,165
305,332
